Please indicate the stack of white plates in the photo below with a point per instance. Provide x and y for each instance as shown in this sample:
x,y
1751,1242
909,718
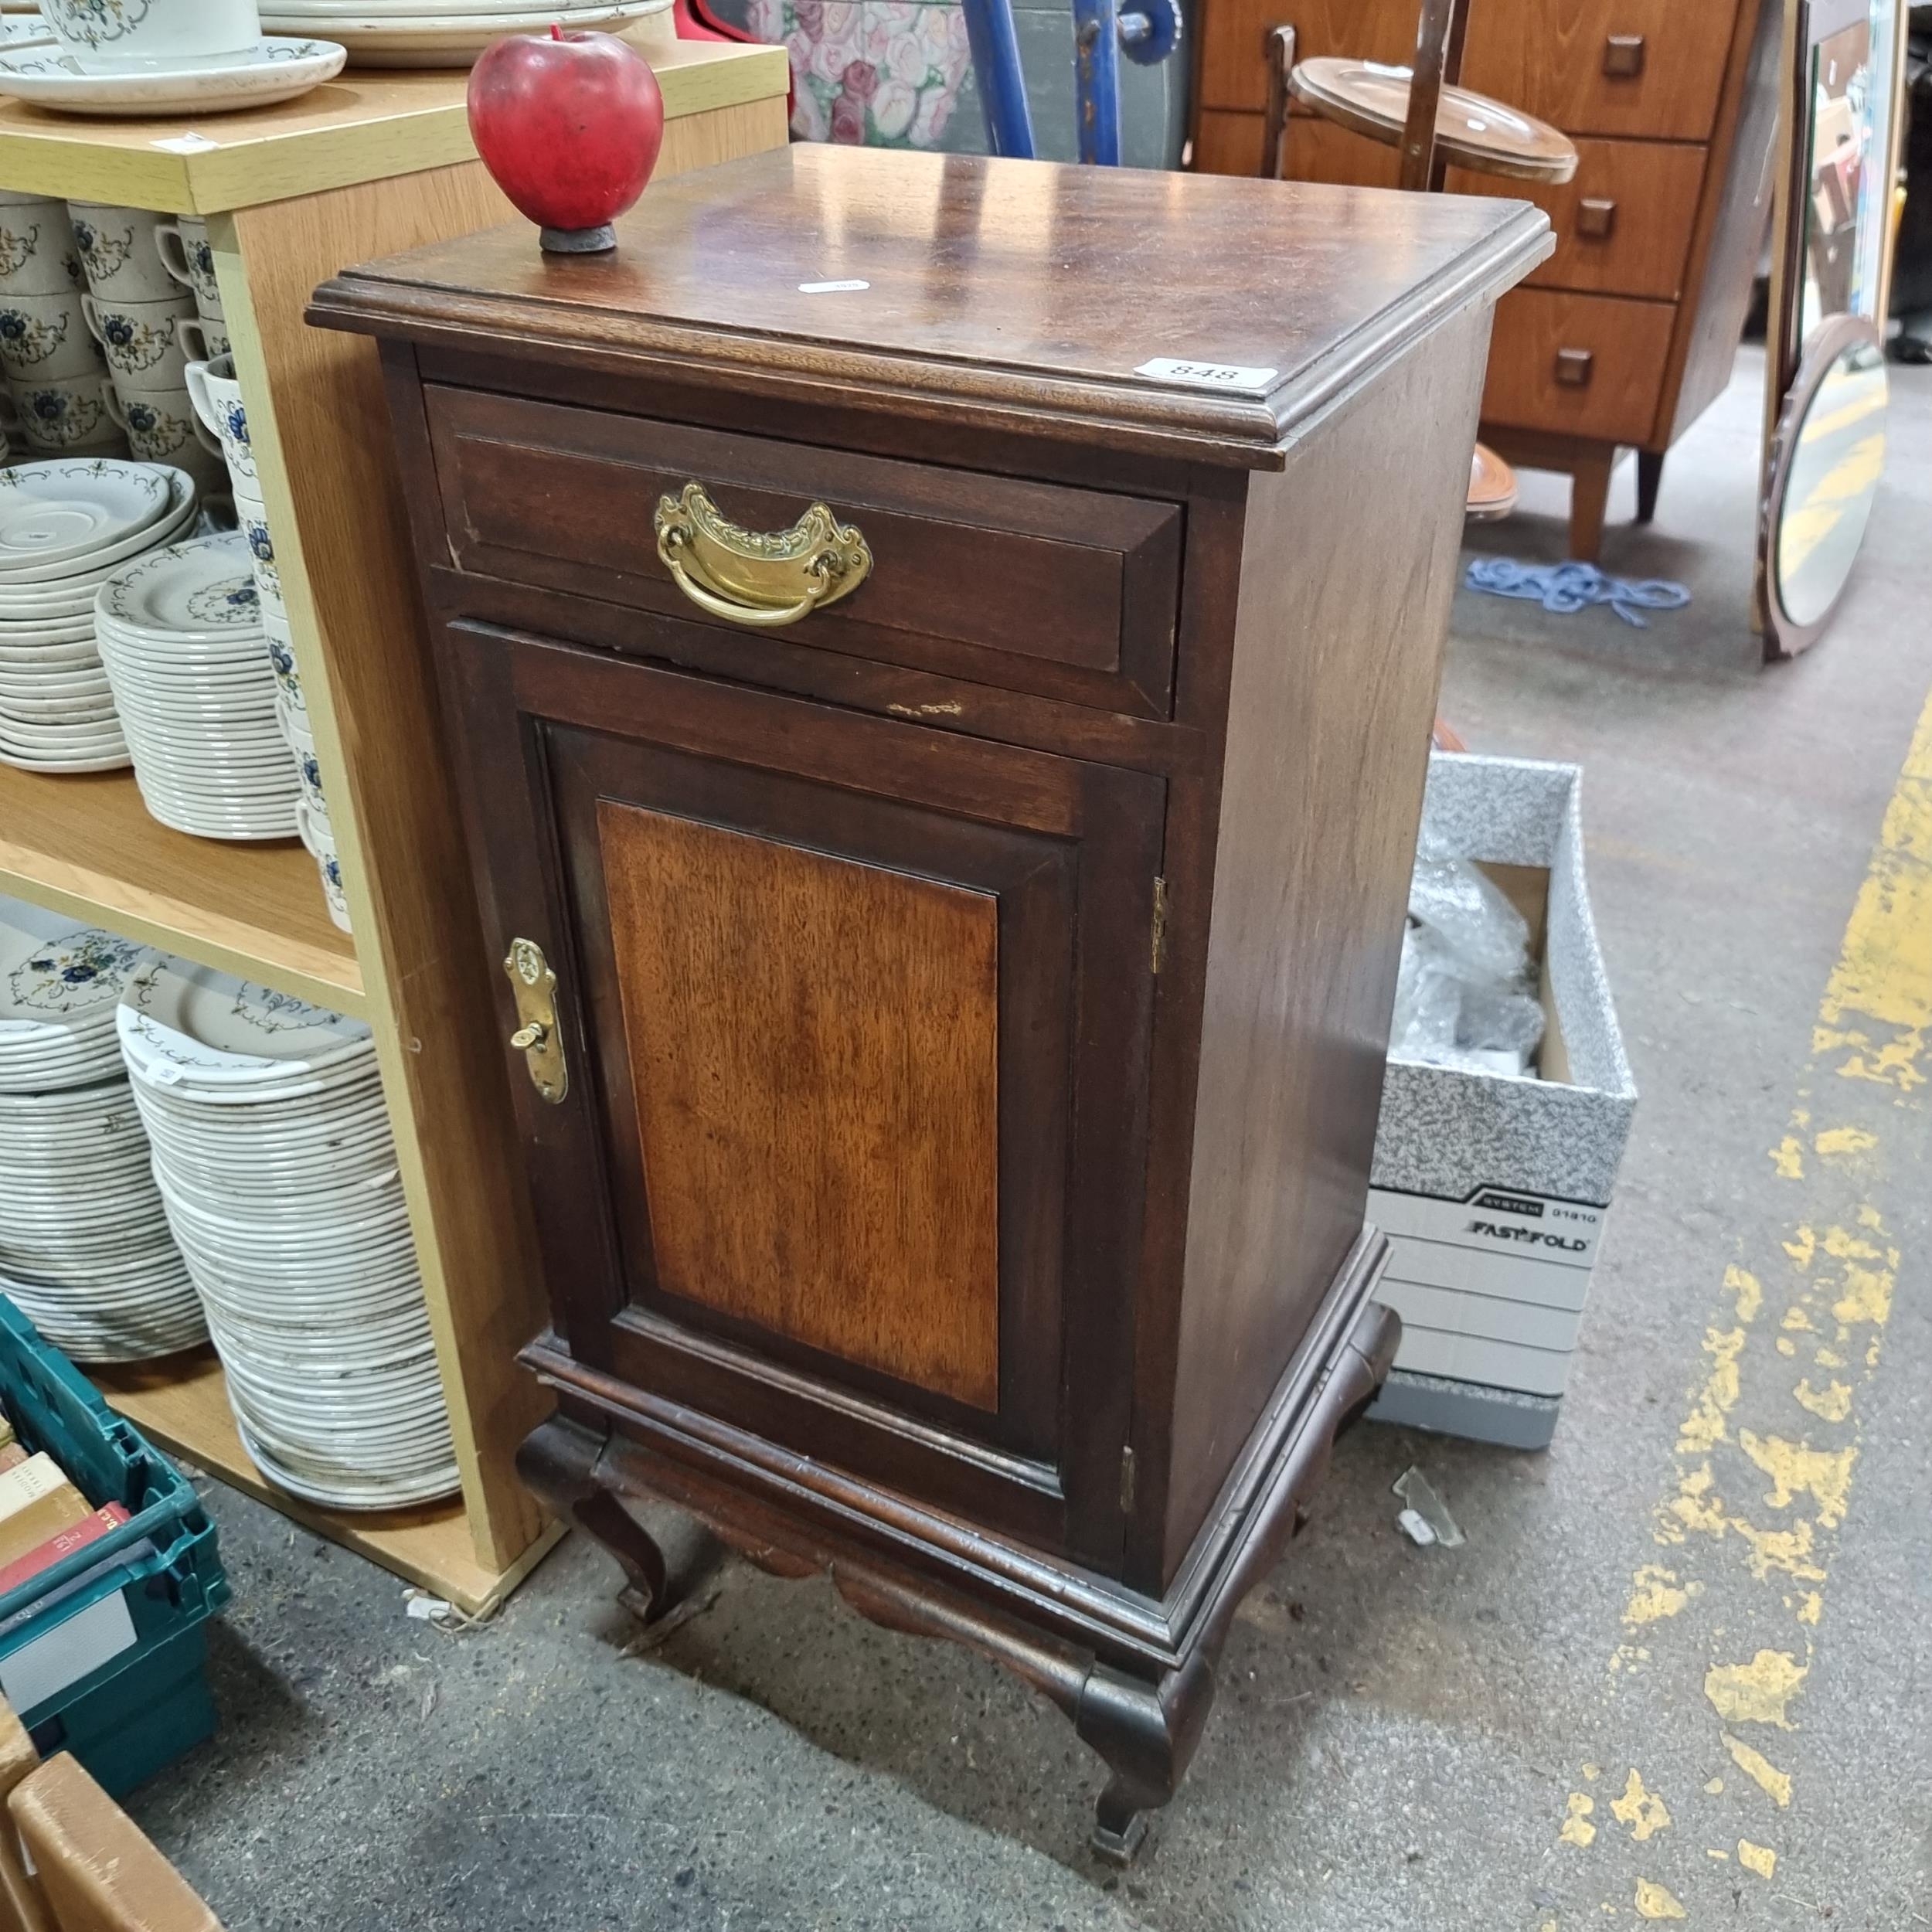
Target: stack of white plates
x,y
272,1149
65,526
84,1246
180,633
439,33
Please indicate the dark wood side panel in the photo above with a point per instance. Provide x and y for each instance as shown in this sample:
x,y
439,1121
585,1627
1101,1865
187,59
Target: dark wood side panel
x,y
821,1152
1731,223
1326,751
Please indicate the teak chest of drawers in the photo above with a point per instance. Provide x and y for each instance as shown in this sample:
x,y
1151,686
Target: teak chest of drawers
x,y
1627,333
953,933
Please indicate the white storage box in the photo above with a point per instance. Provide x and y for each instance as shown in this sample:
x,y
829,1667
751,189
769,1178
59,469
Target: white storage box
x,y
1492,1189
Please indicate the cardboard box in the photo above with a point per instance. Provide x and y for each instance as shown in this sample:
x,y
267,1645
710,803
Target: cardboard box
x,y
1493,1190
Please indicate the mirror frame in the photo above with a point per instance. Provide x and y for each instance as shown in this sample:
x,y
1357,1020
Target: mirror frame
x,y
1785,636
1793,370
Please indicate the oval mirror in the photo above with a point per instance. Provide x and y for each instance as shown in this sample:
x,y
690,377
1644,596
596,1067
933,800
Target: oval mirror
x,y
1829,451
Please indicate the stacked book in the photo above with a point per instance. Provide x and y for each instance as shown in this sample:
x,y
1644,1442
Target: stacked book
x,y
43,1516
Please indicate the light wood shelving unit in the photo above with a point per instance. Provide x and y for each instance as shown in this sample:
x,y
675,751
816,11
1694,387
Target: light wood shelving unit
x,y
369,164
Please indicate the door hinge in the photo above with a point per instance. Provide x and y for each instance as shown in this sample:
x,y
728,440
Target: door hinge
x,y
1160,921
1127,1482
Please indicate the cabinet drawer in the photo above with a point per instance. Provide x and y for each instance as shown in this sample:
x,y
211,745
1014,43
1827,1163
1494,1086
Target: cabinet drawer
x,y
1650,67
1062,592
1234,67
1591,365
1622,222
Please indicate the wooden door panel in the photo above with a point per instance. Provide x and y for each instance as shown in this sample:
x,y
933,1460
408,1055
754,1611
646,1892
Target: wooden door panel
x,y
857,1017
821,1152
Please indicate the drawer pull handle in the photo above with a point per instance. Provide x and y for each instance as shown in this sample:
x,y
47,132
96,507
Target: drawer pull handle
x,y
1596,218
1574,367
1623,55
535,987
765,579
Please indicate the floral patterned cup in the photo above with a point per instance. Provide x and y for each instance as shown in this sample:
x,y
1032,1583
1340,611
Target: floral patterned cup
x,y
291,705
153,36
38,254
318,836
218,402
119,252
162,427
885,72
44,338
66,418
204,340
142,340
187,256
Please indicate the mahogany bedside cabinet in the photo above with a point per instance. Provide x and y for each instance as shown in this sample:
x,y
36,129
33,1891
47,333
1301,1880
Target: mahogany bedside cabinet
x,y
940,653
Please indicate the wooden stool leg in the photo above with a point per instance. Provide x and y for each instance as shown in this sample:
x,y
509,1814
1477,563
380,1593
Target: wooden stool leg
x,y
1589,498
1650,474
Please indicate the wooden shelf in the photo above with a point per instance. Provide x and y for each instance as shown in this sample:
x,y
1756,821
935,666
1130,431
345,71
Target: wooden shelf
x,y
369,165
181,1403
84,843
364,125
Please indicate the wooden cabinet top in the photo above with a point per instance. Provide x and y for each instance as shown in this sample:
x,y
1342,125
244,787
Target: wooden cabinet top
x,y
362,126
1006,294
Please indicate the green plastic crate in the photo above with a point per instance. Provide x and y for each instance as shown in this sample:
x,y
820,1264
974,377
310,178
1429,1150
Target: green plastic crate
x,y
104,1653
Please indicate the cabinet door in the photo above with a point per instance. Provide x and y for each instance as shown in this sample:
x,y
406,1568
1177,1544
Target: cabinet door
x,y
855,1017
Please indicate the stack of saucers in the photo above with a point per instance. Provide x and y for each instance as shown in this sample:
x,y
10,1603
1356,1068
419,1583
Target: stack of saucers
x,y
272,1152
65,526
180,633
441,33
84,1246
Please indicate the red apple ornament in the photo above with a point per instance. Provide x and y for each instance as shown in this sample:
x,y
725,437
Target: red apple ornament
x,y
570,129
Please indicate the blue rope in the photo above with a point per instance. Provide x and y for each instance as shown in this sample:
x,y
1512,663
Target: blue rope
x,y
1565,588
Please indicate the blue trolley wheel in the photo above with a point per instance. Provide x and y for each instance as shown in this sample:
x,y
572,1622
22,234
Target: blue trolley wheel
x,y
1150,30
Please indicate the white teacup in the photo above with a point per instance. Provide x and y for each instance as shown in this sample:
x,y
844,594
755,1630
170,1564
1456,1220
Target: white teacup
x,y
261,549
65,418
142,340
162,427
187,256
205,341
119,253
318,835
218,402
153,36
37,252
44,338
290,706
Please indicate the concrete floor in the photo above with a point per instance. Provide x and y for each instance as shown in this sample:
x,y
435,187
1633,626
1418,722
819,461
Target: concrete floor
x,y
1405,1738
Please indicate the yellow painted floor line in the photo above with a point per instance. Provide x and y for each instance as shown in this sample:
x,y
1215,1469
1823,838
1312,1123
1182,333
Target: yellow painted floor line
x,y
1730,1598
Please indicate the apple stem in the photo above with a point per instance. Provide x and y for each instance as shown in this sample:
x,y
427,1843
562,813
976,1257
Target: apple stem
x,y
556,30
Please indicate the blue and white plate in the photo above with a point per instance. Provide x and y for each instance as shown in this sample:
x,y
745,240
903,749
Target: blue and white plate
x,y
279,69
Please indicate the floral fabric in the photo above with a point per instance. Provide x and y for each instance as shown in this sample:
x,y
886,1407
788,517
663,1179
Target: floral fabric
x,y
881,73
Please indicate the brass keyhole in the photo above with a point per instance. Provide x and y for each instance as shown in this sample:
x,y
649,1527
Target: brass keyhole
x,y
535,987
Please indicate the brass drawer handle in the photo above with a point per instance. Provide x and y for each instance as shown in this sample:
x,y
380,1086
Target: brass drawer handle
x,y
768,580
